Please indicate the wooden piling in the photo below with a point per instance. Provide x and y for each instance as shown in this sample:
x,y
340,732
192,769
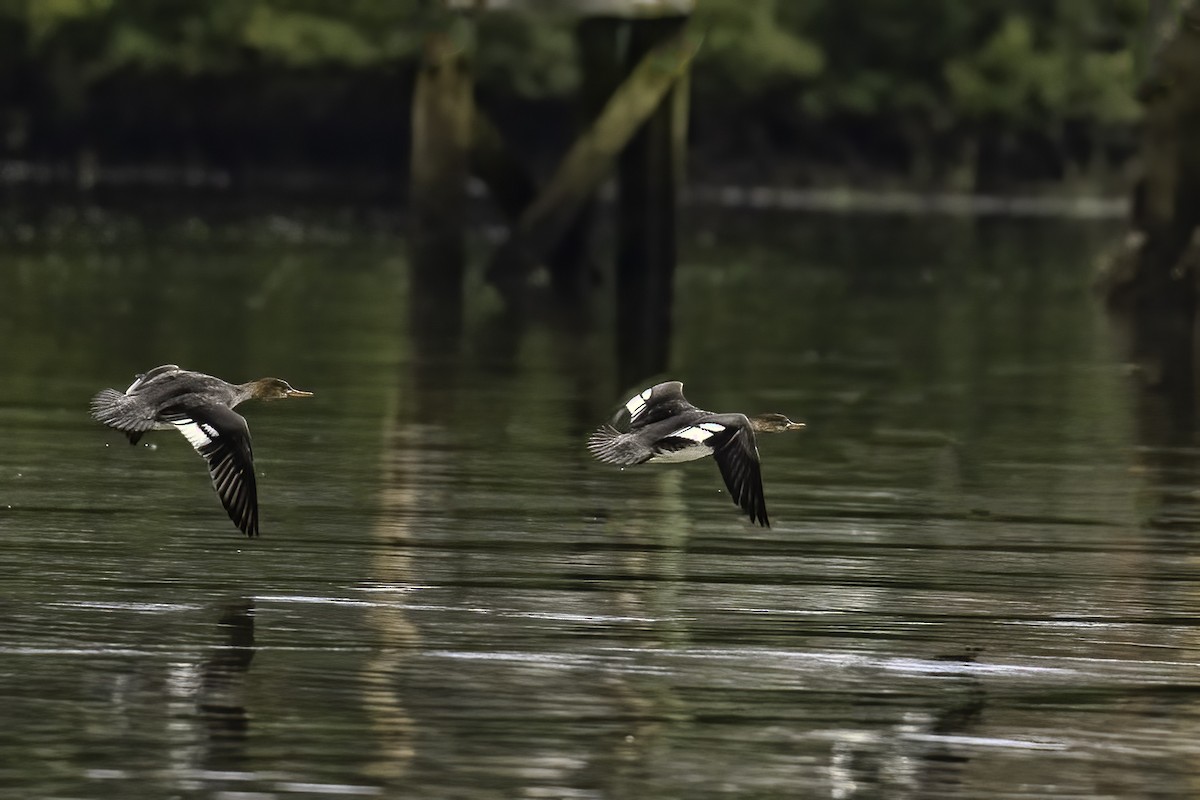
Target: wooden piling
x,y
508,181
1155,272
591,158
649,172
601,69
635,56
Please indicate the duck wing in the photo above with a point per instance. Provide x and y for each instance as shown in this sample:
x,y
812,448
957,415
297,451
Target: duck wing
x,y
221,435
659,402
736,454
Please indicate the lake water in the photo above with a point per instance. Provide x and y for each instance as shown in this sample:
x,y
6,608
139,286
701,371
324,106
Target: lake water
x,y
980,580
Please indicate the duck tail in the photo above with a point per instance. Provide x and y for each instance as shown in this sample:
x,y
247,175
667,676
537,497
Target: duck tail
x,y
602,444
108,407
609,445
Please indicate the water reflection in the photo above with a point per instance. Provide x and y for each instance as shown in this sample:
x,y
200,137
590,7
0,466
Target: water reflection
x,y
979,581
221,697
920,755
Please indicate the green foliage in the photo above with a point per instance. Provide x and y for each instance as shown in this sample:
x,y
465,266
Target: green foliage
x,y
217,36
358,36
989,59
529,56
46,17
923,68
747,48
1029,69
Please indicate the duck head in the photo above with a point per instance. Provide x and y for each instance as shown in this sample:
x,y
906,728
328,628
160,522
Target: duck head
x,y
773,423
275,389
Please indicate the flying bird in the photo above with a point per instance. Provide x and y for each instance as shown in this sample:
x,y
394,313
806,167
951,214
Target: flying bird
x,y
201,408
665,427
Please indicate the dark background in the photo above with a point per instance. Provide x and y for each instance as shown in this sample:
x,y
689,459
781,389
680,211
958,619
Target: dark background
x,y
987,95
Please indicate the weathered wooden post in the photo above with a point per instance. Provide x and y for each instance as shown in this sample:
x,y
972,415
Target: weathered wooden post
x,y
601,69
645,81
441,139
1166,203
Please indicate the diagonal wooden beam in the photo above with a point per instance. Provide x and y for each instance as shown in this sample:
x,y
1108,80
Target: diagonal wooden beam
x,y
593,155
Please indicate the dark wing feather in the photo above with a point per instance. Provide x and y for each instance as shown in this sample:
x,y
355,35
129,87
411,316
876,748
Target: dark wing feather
x,y
737,458
221,435
665,401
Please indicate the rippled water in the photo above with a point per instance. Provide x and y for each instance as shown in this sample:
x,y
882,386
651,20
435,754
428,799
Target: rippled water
x,y
979,582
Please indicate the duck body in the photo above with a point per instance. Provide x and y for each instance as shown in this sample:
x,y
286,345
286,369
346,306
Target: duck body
x,y
665,427
200,407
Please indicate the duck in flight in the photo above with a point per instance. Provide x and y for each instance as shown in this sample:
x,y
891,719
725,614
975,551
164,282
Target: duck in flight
x,y
201,408
665,427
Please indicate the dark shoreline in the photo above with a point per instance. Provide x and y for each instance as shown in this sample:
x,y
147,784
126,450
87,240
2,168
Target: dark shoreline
x,y
62,180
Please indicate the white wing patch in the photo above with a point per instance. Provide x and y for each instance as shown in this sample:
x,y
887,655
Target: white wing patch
x,y
200,434
712,427
637,404
697,433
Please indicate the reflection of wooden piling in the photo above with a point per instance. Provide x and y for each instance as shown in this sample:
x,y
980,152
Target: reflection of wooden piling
x,y
648,179
221,699
441,138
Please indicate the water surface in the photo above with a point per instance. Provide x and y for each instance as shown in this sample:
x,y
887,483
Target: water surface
x,y
979,581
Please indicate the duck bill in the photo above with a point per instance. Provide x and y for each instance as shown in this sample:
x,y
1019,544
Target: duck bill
x,y
298,393
795,426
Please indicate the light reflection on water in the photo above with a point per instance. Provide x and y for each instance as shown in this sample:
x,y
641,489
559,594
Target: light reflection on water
x,y
979,582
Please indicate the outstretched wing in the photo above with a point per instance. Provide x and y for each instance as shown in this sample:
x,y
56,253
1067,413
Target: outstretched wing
x,y
737,458
659,402
221,435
